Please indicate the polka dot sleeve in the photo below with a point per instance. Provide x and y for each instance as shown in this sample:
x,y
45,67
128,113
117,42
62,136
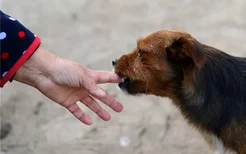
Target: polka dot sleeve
x,y
17,45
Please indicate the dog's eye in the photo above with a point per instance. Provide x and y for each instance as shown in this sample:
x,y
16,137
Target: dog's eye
x,y
140,53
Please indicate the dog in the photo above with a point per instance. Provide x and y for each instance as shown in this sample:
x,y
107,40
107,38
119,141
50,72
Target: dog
x,y
206,84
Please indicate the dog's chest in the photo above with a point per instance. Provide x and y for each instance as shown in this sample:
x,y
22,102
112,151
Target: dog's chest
x,y
217,145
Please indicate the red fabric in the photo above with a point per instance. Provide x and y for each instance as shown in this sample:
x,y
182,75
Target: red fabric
x,y
30,50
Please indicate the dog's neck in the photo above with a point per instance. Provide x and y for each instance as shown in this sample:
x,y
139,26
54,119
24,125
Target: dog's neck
x,y
217,93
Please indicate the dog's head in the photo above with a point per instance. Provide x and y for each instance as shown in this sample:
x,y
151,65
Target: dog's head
x,y
159,62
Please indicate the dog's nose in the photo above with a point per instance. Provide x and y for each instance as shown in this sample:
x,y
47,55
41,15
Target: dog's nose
x,y
114,62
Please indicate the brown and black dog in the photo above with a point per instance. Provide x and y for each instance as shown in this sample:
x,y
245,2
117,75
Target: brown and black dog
x,y
206,84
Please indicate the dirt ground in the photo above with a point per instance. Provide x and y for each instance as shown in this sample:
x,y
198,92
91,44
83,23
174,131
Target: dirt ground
x,y
93,33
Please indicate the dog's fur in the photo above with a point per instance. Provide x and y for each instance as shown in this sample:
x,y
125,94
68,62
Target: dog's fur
x,y
207,85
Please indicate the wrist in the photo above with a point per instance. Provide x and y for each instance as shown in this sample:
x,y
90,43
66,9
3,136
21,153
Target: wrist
x,y
35,69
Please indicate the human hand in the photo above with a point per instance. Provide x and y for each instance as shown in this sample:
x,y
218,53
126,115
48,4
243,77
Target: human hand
x,y
66,83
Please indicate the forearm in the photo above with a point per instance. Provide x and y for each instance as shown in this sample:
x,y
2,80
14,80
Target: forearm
x,y
35,69
22,56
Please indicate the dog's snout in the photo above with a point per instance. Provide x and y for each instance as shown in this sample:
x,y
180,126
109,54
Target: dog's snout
x,y
114,62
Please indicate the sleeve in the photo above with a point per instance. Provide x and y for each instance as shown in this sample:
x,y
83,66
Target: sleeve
x,y
17,44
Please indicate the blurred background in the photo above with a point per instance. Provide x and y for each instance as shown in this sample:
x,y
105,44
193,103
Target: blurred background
x,y
93,33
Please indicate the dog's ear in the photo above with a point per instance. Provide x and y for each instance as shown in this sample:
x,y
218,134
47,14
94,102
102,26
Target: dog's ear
x,y
186,51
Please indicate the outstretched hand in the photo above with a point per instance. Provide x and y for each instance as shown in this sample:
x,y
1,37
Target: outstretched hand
x,y
68,83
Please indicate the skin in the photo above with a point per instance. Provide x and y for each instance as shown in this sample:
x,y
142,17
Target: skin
x,y
66,83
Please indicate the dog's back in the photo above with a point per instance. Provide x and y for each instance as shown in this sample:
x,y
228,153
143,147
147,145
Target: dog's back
x,y
208,85
218,103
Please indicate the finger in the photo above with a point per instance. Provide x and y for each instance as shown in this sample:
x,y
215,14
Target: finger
x,y
110,101
75,96
103,96
91,86
79,114
105,77
94,106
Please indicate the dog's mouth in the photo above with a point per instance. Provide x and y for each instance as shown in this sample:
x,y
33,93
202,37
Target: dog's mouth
x,y
125,80
125,83
130,85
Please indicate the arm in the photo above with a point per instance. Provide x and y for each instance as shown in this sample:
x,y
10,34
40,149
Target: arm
x,y
17,45
63,81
